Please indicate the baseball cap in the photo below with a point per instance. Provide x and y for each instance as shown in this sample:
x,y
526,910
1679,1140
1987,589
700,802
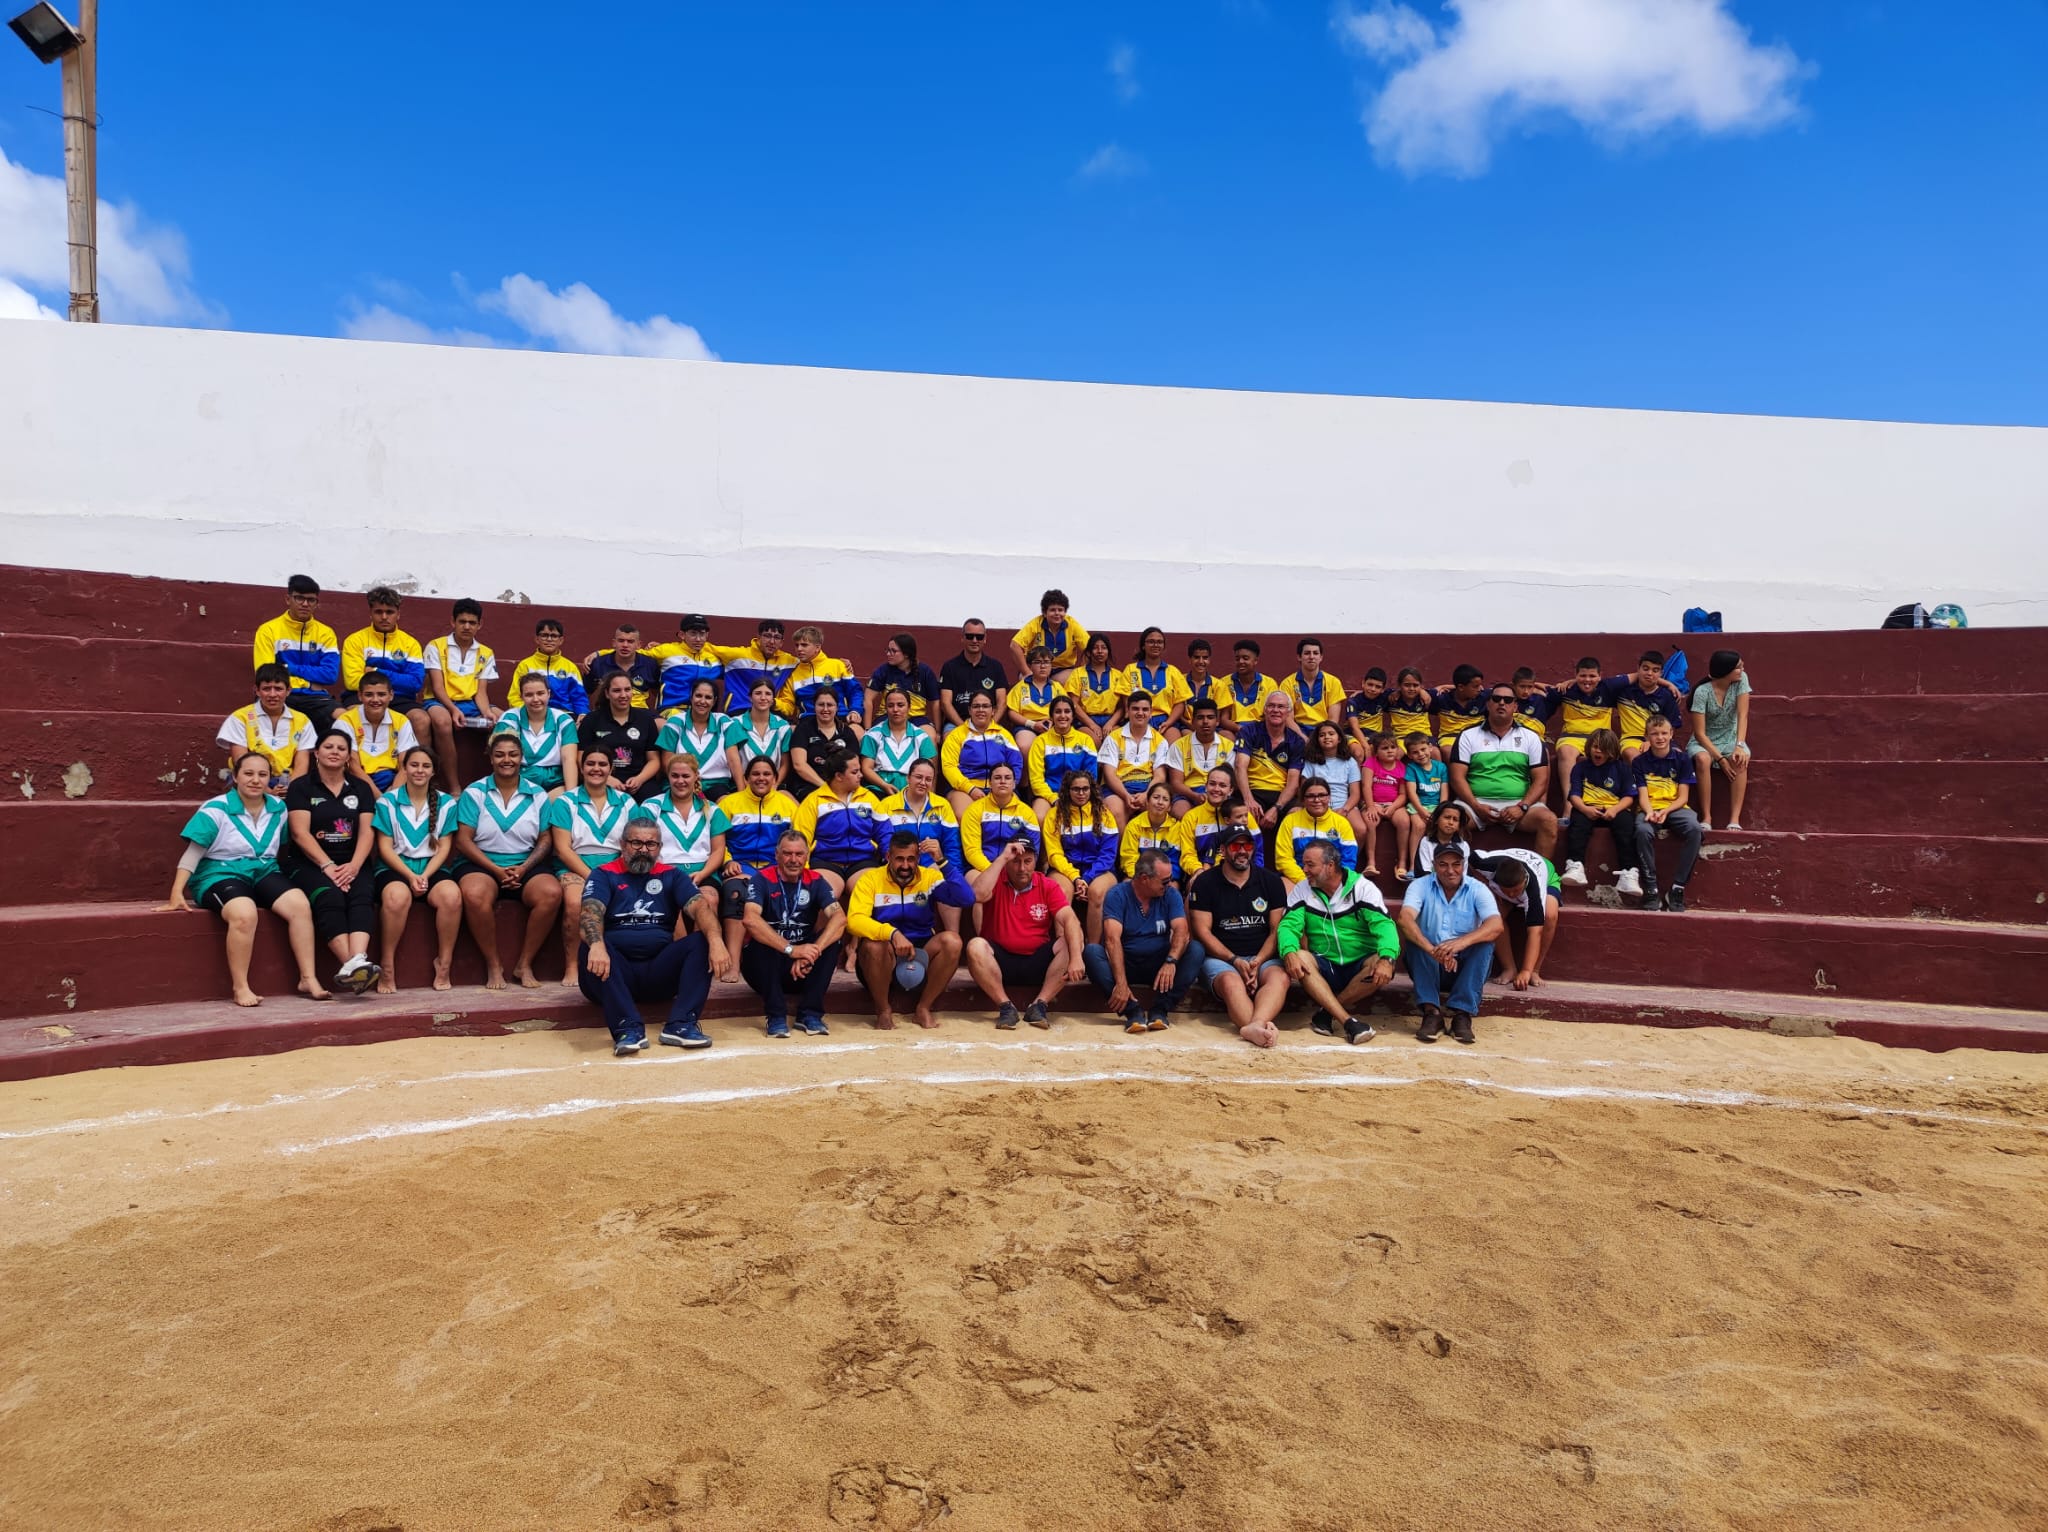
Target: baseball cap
x,y
1238,833
694,620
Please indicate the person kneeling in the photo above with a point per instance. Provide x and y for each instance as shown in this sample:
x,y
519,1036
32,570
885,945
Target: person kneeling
x,y
1028,935
634,913
1336,940
892,910
793,923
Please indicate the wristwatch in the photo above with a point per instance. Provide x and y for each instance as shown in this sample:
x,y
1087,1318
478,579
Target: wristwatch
x,y
789,949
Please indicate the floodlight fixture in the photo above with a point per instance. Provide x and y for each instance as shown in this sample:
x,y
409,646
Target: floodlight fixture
x,y
48,35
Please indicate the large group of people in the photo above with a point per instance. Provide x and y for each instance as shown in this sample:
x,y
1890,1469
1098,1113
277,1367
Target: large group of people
x,y
683,810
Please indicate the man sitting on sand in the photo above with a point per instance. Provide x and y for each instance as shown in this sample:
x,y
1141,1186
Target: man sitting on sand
x,y
893,911
635,911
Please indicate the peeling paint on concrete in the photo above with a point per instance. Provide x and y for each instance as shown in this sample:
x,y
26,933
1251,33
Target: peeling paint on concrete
x,y
77,779
1820,979
67,991
57,1029
1714,853
1605,896
28,786
1800,1026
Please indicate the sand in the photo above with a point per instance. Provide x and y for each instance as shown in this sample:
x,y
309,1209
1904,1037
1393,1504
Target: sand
x,y
1578,1276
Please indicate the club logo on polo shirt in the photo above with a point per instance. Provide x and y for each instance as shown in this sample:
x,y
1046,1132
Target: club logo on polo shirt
x,y
349,802
654,885
803,897
634,732
1259,904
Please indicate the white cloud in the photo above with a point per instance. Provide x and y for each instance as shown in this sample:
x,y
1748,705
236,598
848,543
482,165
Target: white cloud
x,y
1619,68
574,319
17,302
145,272
1123,71
1112,162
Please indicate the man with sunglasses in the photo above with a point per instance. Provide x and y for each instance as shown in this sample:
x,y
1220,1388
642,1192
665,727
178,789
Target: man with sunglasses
x,y
1500,771
971,673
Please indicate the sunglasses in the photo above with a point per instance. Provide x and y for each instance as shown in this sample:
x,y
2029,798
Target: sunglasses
x,y
1509,698
972,638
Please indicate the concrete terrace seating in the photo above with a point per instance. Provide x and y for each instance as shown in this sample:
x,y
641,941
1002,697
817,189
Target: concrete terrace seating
x,y
1892,881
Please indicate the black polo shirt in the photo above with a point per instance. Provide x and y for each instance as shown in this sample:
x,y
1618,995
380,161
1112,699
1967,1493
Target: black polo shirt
x,y
1240,917
339,819
628,744
964,680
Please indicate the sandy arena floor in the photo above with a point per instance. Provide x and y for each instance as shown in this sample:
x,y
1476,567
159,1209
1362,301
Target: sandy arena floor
x,y
1577,1276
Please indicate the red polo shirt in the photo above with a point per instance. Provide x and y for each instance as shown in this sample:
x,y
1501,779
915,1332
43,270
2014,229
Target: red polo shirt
x,y
1021,921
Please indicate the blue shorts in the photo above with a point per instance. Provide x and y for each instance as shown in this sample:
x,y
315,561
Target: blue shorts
x,y
1215,968
465,709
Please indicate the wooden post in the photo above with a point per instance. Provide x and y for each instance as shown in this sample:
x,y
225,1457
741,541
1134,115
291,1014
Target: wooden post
x,y
81,169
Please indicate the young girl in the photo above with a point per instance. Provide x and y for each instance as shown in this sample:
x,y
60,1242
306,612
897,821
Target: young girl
x,y
1150,673
1422,792
1386,799
917,807
760,730
1081,845
546,735
230,867
586,824
1030,700
1153,830
327,846
1449,825
693,827
1099,688
1720,734
702,733
415,825
1602,794
890,748
1328,761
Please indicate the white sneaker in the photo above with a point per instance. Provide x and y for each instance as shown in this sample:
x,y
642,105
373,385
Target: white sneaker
x,y
1731,825
1574,875
1630,883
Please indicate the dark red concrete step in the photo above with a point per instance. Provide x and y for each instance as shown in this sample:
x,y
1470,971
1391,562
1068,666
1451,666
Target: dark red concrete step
x,y
1893,877
185,1033
93,755
1936,798
2010,726
1979,660
79,958
129,675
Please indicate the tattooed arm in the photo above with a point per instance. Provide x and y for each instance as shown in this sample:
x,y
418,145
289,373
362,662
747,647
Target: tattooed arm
x,y
591,928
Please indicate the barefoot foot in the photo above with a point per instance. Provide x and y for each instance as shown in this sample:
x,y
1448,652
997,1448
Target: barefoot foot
x,y
885,1021
526,978
247,997
1260,1034
311,989
926,1019
494,980
441,979
387,985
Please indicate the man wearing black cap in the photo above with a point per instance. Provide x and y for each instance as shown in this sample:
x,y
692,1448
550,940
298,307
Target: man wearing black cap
x,y
1234,912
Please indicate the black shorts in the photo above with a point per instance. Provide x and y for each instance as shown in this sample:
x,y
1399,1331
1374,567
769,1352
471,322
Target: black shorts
x,y
337,911
1337,975
732,895
505,894
847,871
435,878
1023,967
266,891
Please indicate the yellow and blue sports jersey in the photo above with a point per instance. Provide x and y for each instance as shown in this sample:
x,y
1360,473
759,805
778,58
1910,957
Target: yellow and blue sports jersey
x,y
1535,710
967,757
1130,759
1267,764
1603,787
462,670
1315,701
1068,643
395,654
378,745
988,826
842,829
1633,708
799,695
1054,757
1217,690
1298,829
1580,712
1411,716
1195,760
682,668
643,672
1081,850
1028,702
1098,693
743,667
932,821
1144,833
1201,839
1454,717
309,650
878,907
1163,683
564,677
756,824
540,744
1662,780
1373,715
277,740
1245,704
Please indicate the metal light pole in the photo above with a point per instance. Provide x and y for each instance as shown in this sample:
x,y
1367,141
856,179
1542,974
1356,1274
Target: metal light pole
x,y
54,40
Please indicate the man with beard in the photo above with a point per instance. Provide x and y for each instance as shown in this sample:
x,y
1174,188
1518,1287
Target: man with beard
x,y
893,911
634,947
1234,914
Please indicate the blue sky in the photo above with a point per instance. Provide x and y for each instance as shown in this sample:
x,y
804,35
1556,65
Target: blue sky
x,y
1828,209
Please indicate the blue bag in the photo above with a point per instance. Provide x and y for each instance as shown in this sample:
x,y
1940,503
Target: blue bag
x,y
1699,620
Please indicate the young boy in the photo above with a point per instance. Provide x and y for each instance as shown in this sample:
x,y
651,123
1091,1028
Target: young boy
x,y
564,676
459,675
1532,703
1202,682
817,671
763,660
1064,639
1459,706
1583,707
1368,712
690,659
386,648
270,728
1195,754
1318,698
1602,791
1248,686
1664,782
1428,779
306,647
1640,697
380,735
625,657
1133,757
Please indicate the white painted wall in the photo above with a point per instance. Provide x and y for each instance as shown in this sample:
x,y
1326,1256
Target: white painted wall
x,y
880,496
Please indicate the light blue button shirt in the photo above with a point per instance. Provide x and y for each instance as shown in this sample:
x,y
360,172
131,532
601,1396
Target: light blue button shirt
x,y
1444,917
